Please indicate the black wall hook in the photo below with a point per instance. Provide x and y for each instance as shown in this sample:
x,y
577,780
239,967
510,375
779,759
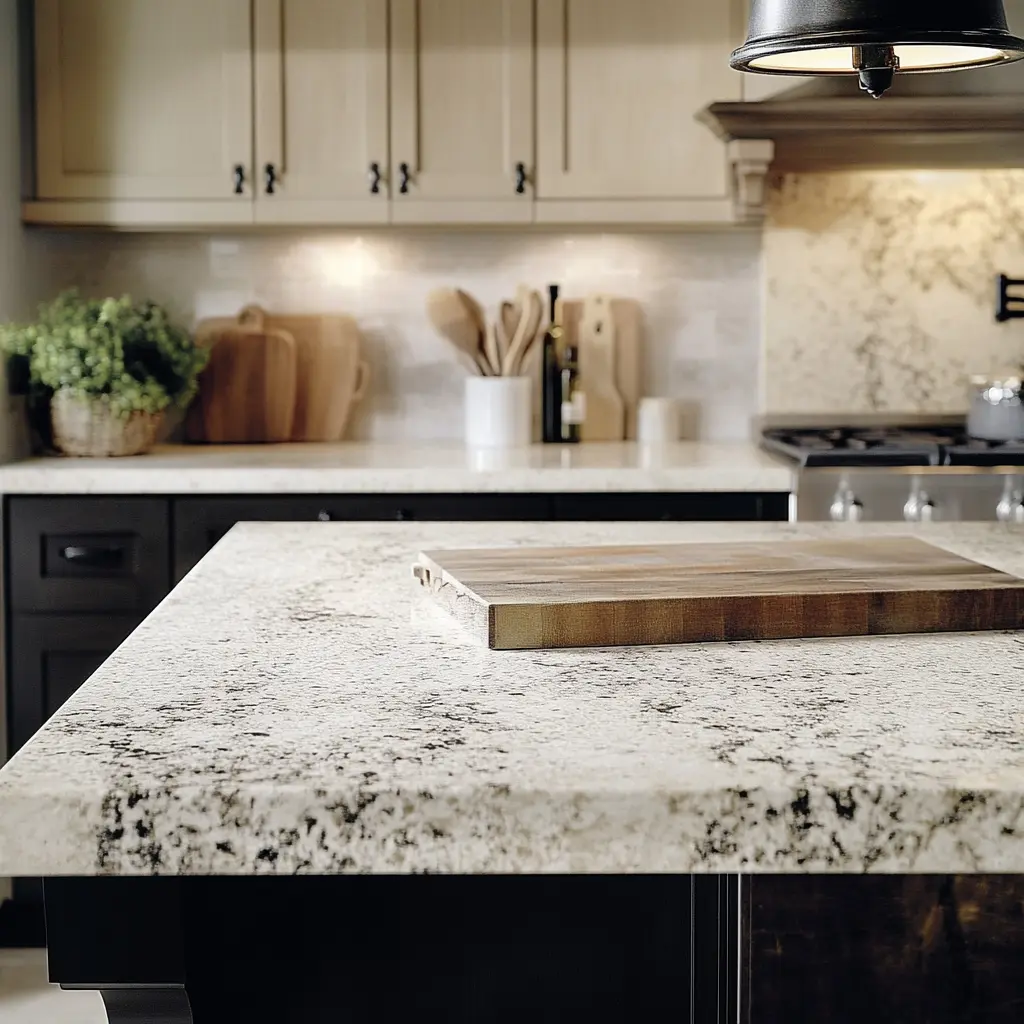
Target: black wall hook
x,y
1009,307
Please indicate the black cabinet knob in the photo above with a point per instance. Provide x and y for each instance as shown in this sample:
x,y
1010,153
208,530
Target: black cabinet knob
x,y
239,175
270,175
520,179
405,176
375,177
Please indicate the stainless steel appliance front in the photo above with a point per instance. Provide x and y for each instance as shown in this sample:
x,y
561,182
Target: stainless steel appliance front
x,y
911,494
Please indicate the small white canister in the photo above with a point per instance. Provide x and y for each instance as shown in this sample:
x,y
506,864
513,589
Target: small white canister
x,y
658,421
499,412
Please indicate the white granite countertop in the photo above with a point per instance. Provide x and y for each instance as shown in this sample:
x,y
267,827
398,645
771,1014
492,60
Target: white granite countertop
x,y
356,468
297,705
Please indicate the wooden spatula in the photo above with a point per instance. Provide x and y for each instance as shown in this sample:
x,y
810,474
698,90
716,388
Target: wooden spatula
x,y
531,310
452,319
487,341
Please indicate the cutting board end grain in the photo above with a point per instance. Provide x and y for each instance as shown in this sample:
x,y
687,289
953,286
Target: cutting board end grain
x,y
542,598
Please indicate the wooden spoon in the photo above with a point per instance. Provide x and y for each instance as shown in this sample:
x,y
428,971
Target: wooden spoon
x,y
531,311
493,347
508,324
485,347
452,320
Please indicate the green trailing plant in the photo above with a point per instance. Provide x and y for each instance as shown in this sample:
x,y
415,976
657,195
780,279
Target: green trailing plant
x,y
128,355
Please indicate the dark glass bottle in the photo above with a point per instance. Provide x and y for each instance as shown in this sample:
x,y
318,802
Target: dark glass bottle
x,y
551,373
572,410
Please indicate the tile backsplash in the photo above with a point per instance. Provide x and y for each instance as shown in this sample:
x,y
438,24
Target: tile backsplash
x,y
880,289
700,293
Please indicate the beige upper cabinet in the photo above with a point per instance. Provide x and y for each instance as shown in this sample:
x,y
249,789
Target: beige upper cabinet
x,y
322,111
144,100
171,113
462,77
619,85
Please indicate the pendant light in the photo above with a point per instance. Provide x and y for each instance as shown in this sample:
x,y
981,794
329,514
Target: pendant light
x,y
875,39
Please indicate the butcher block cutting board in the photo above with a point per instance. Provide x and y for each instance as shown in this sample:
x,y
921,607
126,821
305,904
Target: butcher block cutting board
x,y
528,599
247,391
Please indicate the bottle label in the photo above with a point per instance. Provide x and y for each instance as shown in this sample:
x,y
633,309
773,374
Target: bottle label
x,y
575,411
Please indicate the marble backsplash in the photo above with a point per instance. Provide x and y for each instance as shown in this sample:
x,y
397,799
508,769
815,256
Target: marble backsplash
x,y
700,293
880,289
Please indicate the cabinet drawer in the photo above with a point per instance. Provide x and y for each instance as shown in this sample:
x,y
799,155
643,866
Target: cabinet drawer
x,y
200,522
88,554
672,507
50,657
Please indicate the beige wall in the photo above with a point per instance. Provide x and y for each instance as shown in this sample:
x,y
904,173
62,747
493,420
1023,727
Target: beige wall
x,y
880,289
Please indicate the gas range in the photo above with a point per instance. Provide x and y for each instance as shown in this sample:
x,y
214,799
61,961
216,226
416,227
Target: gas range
x,y
912,470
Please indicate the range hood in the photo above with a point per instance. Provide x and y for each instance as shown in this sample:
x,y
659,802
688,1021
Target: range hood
x,y
970,119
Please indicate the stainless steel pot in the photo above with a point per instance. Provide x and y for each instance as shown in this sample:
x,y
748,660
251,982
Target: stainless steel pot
x,y
997,409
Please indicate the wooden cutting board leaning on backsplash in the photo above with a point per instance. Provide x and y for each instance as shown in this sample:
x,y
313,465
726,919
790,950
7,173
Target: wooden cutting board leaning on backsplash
x,y
247,391
330,375
628,380
528,599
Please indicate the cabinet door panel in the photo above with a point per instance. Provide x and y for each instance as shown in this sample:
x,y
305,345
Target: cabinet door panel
x,y
87,554
50,657
619,85
322,109
462,100
143,100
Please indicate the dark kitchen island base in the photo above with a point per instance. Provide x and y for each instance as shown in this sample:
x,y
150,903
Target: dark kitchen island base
x,y
814,949
389,948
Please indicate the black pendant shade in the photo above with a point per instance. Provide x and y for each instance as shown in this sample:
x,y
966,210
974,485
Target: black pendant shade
x,y
875,39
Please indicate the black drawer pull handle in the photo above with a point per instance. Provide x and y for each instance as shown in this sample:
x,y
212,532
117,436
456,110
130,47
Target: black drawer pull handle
x,y
105,558
239,179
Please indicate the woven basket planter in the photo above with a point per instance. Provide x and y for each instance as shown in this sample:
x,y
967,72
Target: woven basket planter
x,y
88,428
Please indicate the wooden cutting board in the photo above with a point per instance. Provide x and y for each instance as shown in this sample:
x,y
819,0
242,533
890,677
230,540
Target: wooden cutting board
x,y
247,391
331,377
524,599
628,321
606,412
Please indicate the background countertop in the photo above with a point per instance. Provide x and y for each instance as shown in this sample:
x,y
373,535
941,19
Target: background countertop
x,y
357,468
297,705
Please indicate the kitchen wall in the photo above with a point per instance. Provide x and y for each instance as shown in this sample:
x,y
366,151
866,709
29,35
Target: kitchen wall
x,y
880,289
700,293
13,254
16,245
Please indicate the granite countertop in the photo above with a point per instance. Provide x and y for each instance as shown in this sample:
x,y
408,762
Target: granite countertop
x,y
357,468
296,704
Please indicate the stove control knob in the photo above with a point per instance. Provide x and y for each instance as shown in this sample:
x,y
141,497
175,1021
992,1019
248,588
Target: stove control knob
x,y
1011,508
846,508
919,509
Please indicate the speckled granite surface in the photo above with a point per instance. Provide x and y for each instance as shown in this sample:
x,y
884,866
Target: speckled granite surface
x,y
296,705
350,468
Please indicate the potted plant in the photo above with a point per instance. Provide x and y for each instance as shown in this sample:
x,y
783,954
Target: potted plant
x,y
108,369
